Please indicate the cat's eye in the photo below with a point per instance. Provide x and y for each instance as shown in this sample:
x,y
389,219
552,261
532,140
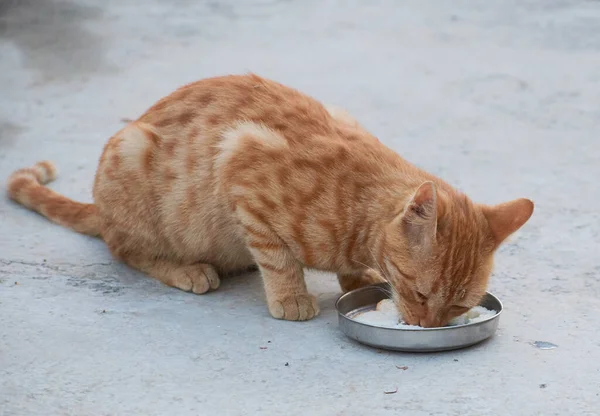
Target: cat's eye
x,y
421,297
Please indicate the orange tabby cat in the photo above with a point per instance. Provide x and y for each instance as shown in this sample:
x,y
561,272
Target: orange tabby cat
x,y
235,171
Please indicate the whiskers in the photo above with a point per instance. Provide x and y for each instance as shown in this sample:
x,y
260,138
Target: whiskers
x,y
391,292
368,267
388,292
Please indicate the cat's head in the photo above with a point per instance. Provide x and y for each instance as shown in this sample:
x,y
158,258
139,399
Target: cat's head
x,y
439,252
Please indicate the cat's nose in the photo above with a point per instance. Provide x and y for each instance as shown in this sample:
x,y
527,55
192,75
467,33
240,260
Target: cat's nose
x,y
428,322
425,323
411,320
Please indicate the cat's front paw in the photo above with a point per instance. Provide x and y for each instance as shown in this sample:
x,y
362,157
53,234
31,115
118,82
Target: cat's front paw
x,y
295,308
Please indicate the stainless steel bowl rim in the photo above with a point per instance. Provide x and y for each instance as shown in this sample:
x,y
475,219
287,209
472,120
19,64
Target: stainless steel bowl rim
x,y
441,328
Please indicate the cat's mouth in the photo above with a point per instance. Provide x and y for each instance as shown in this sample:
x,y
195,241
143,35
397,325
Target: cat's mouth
x,y
428,320
408,318
423,322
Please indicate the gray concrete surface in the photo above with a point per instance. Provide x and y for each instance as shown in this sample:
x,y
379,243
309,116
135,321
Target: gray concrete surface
x,y
501,98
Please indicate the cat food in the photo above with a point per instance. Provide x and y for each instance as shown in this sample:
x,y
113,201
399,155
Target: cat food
x,y
386,315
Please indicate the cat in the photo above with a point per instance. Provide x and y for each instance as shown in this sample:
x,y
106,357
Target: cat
x,y
236,171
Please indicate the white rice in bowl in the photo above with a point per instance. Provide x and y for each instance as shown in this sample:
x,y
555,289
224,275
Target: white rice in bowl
x,y
386,315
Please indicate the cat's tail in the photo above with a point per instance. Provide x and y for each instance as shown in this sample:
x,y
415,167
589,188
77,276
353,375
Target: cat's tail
x,y
26,186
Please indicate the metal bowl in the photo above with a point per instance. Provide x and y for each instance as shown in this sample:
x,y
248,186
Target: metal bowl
x,y
411,340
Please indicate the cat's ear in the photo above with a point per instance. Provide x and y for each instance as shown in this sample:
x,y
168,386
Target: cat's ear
x,y
419,219
504,219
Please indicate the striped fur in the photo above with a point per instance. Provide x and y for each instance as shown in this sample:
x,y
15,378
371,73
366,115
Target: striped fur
x,y
235,171
26,186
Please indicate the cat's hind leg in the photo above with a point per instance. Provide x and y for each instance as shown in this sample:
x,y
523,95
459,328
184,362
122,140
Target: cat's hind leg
x,y
198,278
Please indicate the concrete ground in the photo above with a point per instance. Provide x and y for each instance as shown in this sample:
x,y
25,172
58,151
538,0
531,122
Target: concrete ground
x,y
501,98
